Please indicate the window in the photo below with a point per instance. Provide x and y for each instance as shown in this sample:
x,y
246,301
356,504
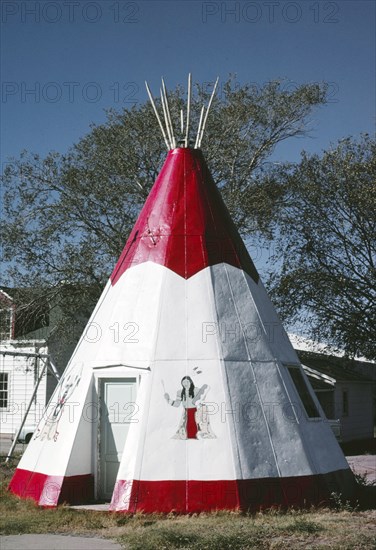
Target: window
x,y
345,403
4,390
326,400
303,392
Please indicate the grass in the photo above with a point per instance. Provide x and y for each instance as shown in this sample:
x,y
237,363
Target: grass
x,y
345,529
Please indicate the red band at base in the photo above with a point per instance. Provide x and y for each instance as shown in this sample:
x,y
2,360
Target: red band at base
x,y
187,496
248,494
49,490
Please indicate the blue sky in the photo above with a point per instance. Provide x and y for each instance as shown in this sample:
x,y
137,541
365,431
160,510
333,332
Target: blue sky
x,y
64,62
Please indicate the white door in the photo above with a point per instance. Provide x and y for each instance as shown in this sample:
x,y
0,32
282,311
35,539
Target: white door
x,y
117,410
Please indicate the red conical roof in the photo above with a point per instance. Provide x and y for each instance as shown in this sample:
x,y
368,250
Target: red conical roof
x,y
184,224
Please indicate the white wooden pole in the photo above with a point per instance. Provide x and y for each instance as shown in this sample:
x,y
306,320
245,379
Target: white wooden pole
x,y
168,114
207,112
181,121
157,115
165,118
199,126
188,109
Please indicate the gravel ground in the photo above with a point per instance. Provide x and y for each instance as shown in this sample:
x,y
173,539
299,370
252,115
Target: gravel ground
x,y
363,465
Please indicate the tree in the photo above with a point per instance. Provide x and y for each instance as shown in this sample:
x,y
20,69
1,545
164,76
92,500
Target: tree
x,y
326,247
67,217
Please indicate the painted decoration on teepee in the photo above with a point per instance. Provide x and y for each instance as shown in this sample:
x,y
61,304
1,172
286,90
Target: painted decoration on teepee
x,y
223,414
194,423
52,416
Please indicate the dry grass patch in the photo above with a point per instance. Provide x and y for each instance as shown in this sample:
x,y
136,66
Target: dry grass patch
x,y
315,529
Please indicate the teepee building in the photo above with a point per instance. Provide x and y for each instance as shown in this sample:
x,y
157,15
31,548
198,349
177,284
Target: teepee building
x,y
184,393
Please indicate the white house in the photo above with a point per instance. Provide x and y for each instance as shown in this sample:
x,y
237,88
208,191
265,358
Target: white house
x,y
22,363
344,387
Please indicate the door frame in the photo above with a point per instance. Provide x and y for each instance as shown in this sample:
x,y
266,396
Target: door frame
x,y
100,378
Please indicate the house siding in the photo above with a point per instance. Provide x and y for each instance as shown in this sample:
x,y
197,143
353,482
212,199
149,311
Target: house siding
x,y
22,373
358,423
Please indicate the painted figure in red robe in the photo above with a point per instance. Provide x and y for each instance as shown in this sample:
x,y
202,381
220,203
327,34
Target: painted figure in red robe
x,y
194,423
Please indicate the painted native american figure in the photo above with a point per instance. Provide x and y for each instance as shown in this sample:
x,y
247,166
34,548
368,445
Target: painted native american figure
x,y
194,423
55,409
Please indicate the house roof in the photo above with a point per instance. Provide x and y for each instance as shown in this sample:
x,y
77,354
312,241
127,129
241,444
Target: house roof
x,y
324,370
303,343
319,381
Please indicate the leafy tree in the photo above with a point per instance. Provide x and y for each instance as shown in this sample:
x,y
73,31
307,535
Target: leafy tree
x,y
66,217
326,246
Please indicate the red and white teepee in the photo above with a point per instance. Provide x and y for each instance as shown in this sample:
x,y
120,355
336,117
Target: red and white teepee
x,y
184,393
